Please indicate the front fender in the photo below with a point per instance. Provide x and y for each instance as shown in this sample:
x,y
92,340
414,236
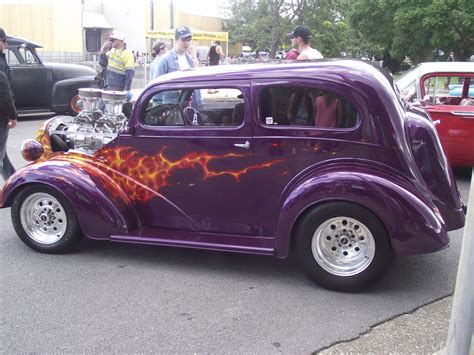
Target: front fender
x,y
64,90
412,224
88,191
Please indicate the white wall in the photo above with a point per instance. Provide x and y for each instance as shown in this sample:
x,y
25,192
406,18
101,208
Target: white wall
x,y
125,16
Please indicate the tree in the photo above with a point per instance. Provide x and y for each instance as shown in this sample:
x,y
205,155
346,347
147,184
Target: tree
x,y
260,24
420,29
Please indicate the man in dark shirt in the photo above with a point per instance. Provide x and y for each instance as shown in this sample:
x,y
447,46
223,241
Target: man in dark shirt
x,y
8,114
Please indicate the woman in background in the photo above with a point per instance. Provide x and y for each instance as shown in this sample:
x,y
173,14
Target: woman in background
x,y
159,48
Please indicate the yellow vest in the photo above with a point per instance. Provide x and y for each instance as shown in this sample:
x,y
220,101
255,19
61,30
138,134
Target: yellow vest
x,y
120,60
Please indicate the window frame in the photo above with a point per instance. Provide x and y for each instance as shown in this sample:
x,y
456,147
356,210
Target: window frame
x,y
244,129
308,84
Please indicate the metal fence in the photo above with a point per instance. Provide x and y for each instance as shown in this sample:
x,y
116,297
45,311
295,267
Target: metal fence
x,y
92,60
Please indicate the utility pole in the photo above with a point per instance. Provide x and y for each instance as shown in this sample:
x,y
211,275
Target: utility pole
x,y
461,327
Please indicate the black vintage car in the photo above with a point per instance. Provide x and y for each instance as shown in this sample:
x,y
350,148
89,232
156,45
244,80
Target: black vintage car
x,y
44,87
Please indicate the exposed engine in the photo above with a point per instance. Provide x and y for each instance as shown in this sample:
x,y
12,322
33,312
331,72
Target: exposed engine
x,y
99,122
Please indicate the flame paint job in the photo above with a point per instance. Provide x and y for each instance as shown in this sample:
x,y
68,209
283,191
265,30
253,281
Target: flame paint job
x,y
151,173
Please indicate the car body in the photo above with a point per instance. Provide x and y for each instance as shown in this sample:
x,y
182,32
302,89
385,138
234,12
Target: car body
x,y
446,91
235,158
44,87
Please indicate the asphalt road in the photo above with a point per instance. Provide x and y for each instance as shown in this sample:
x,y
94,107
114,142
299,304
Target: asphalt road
x,y
110,297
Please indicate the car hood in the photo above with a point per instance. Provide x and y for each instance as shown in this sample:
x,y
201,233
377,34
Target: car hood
x,y
62,71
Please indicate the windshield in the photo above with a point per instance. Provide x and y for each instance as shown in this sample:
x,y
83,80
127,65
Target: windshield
x,y
408,77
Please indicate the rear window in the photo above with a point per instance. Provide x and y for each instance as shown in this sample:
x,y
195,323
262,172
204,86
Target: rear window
x,y
306,107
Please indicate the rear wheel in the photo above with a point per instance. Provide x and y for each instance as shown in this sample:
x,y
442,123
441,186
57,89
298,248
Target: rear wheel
x,y
343,246
44,220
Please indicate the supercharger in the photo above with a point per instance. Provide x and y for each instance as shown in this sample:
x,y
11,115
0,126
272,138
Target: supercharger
x,y
99,122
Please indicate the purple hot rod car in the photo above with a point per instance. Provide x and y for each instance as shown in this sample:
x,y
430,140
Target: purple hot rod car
x,y
322,159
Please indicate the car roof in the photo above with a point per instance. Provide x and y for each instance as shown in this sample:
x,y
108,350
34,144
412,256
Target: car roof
x,y
279,69
433,67
18,41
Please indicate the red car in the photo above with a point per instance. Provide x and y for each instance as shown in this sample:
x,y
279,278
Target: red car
x,y
446,91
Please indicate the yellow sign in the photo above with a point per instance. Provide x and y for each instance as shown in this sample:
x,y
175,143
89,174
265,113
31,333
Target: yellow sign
x,y
197,35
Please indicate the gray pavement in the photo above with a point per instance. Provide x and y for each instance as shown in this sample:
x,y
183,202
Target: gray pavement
x,y
110,297
422,331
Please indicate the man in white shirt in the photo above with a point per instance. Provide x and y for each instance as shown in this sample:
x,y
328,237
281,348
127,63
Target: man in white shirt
x,y
300,39
179,58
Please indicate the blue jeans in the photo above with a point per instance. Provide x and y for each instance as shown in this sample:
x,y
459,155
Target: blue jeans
x,y
6,166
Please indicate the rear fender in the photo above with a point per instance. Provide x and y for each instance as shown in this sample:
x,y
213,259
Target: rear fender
x,y
411,223
99,216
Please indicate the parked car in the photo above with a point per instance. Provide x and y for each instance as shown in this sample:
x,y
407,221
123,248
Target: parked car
x,y
280,55
265,159
43,87
446,91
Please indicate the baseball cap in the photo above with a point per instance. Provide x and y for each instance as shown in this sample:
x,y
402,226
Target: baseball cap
x,y
301,31
182,32
117,35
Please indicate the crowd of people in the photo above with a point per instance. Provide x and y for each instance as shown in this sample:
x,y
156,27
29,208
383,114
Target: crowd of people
x,y
117,63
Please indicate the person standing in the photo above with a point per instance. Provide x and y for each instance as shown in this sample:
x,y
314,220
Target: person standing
x,y
120,64
292,54
451,57
8,114
159,48
179,57
215,54
300,39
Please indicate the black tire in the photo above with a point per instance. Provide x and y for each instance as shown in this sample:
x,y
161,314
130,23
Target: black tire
x,y
45,220
365,243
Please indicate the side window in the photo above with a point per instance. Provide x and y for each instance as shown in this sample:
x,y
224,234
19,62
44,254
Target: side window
x,y
11,57
306,107
443,90
223,107
28,56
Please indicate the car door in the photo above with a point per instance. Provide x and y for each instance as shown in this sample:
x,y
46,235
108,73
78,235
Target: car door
x,y
449,99
30,79
192,146
293,133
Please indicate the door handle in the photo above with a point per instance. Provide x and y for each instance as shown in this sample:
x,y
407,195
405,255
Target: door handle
x,y
436,122
245,145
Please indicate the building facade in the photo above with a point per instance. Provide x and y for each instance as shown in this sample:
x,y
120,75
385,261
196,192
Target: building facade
x,y
80,26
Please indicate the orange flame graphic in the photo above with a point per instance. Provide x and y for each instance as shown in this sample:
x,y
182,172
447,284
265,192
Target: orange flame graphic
x,y
142,176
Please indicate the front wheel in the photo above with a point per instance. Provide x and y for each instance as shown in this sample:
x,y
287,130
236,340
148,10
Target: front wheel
x,y
343,246
44,220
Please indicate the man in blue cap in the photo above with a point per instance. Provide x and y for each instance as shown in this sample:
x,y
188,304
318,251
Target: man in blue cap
x,y
179,58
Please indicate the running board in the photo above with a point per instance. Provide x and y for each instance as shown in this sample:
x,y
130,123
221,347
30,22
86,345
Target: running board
x,y
208,241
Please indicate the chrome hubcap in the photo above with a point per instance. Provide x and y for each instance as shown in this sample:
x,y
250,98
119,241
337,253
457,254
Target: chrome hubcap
x,y
43,218
343,246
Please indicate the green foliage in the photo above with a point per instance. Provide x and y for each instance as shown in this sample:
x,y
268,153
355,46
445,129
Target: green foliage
x,y
421,29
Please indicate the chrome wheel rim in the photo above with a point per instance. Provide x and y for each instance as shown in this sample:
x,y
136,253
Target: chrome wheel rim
x,y
343,246
75,103
43,218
